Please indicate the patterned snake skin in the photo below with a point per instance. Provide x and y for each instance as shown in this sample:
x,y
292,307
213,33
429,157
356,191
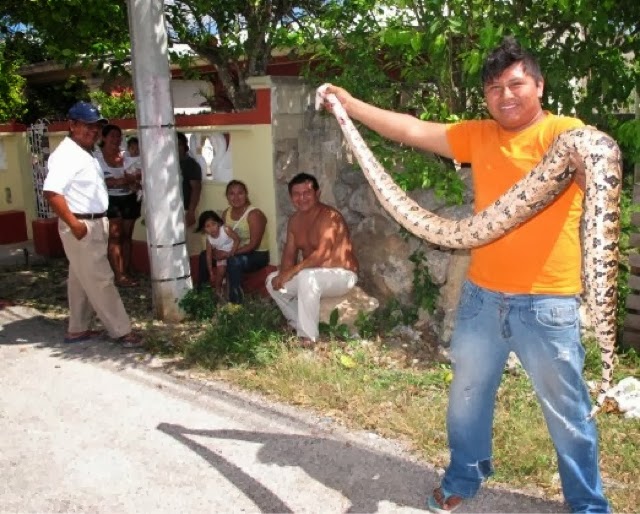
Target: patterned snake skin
x,y
601,220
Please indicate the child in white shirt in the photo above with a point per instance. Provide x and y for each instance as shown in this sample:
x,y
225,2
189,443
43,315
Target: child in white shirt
x,y
222,242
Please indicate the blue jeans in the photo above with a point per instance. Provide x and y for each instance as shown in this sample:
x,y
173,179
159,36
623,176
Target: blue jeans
x,y
544,332
237,266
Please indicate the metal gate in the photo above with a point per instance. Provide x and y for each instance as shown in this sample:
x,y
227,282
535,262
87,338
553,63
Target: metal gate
x,y
38,140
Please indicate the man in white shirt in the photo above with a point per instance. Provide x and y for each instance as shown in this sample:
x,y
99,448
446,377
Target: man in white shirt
x,y
77,193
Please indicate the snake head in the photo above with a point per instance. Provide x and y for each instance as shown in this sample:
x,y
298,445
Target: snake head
x,y
320,95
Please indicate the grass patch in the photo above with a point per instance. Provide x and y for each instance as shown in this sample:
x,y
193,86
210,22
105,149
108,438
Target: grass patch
x,y
378,385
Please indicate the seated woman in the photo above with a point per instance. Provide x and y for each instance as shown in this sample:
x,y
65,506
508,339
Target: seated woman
x,y
253,252
124,208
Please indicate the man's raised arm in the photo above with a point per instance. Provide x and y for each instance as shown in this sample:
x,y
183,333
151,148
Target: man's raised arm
x,y
403,128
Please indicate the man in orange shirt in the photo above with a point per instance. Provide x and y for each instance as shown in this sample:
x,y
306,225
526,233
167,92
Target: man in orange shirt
x,y
522,290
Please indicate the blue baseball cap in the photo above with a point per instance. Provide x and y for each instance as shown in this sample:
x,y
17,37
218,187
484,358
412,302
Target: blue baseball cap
x,y
86,112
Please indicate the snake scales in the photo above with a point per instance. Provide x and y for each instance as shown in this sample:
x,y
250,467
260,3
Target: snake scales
x,y
601,219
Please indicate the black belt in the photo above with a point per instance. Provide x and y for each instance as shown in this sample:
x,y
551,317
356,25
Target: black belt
x,y
90,216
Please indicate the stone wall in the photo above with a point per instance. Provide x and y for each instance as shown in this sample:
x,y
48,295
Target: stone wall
x,y
316,146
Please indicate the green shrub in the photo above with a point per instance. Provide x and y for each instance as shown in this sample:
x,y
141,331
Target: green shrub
x,y
199,303
334,329
247,334
118,103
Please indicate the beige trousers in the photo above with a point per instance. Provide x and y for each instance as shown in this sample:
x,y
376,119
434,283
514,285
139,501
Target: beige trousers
x,y
90,287
299,299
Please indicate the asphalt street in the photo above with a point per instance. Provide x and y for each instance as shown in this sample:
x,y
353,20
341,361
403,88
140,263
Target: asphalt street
x,y
89,427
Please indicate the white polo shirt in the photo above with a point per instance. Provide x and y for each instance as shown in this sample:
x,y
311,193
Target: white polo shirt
x,y
76,174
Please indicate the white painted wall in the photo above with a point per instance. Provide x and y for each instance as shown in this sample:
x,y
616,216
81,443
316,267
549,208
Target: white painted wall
x,y
187,98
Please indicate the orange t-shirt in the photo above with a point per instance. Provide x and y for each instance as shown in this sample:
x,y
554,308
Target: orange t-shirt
x,y
543,255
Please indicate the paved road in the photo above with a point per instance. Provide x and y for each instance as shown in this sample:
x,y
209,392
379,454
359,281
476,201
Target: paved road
x,y
88,428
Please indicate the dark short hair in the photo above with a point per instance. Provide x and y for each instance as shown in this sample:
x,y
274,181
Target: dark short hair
x,y
206,216
508,53
235,182
301,178
182,138
133,140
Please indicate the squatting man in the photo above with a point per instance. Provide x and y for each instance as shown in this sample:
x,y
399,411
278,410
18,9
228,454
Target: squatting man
x,y
328,267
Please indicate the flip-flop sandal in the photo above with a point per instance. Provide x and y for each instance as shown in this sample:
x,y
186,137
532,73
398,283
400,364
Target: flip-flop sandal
x,y
83,336
5,303
126,282
306,343
443,502
130,340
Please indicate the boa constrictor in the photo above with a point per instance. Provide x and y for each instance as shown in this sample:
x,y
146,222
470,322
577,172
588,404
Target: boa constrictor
x,y
601,227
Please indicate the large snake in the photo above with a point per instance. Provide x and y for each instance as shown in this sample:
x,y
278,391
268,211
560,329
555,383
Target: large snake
x,y
602,162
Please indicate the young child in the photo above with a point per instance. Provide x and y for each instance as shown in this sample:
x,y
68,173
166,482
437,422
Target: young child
x,y
133,164
219,237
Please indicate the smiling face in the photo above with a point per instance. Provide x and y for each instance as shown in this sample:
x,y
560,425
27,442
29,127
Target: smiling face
x,y
85,134
513,98
237,196
304,197
113,140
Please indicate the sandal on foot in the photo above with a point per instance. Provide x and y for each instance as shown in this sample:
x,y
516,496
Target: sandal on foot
x,y
443,502
82,336
306,343
126,282
130,340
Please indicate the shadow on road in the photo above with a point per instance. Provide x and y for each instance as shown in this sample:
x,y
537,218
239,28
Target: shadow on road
x,y
23,325
362,475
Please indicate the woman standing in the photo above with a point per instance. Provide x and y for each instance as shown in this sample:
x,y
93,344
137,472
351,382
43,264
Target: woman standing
x,y
253,252
124,209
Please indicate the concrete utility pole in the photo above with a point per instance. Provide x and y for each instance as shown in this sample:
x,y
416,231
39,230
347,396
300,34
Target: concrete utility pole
x,y
164,212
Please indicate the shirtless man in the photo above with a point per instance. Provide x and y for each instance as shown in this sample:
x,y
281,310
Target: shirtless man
x,y
328,266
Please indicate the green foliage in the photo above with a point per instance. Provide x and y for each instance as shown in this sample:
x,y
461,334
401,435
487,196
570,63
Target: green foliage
x,y
627,208
424,59
116,104
91,31
238,37
627,133
425,292
365,325
384,319
334,329
199,303
12,101
52,101
247,334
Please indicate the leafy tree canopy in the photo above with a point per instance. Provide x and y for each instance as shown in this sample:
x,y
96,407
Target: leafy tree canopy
x,y
425,56
12,101
236,37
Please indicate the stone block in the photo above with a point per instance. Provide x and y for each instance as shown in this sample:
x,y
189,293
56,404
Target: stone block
x,y
356,300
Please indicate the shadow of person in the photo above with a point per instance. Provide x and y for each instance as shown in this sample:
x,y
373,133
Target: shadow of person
x,y
364,476
21,325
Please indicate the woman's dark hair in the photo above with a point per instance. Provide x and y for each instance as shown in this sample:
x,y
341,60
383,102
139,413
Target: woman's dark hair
x,y
508,53
206,216
110,127
107,129
236,183
301,178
